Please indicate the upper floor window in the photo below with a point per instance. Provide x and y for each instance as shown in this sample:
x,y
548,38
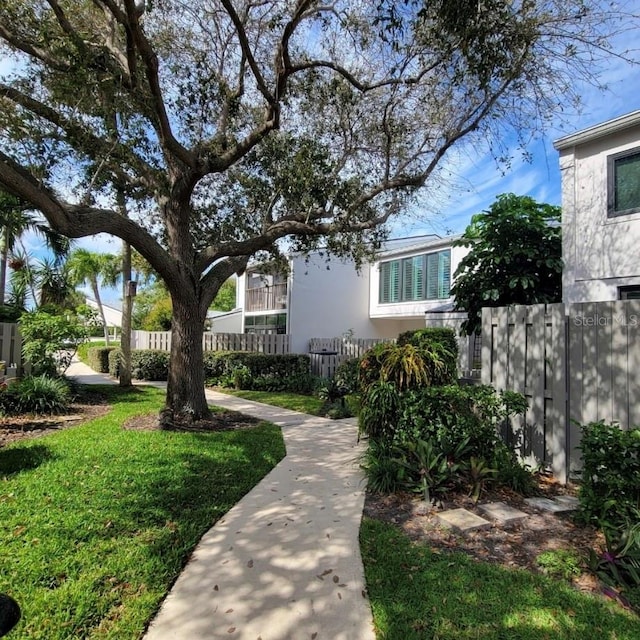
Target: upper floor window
x,y
629,293
624,183
423,277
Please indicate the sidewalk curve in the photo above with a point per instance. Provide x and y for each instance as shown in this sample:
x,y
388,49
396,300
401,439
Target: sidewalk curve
x,y
284,563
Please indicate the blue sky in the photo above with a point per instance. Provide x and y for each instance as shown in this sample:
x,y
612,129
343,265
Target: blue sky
x,y
480,181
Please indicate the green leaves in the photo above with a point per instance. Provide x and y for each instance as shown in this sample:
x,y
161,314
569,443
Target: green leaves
x,y
515,257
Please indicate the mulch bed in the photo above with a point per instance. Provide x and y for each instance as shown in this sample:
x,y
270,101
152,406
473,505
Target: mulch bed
x,y
515,546
87,406
220,421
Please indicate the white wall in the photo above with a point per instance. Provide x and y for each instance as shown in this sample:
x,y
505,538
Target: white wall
x,y
599,253
111,315
230,322
326,303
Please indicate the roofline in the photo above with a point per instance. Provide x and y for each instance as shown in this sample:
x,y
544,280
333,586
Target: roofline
x,y
598,131
418,246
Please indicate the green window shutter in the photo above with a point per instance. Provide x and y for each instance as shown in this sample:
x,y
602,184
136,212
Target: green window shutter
x,y
394,281
444,274
432,276
384,281
390,281
413,278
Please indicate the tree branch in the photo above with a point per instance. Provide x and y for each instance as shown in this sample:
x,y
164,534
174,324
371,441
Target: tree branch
x,y
92,145
145,49
77,221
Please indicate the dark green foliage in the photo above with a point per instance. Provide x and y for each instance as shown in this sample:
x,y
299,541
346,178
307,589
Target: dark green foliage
x,y
438,340
115,358
347,375
149,364
515,257
381,406
453,414
456,424
98,358
409,365
9,313
259,371
334,394
610,490
35,394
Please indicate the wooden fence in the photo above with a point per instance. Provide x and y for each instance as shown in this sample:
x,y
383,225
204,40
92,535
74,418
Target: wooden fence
x,y
10,348
261,343
327,354
574,363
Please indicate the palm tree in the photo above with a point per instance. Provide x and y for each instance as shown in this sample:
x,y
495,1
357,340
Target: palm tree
x,y
92,268
15,221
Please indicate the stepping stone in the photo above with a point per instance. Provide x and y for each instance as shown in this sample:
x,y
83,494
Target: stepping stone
x,y
463,520
548,505
502,512
568,501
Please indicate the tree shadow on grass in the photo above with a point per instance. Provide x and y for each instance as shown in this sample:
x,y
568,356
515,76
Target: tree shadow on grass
x,y
417,594
15,459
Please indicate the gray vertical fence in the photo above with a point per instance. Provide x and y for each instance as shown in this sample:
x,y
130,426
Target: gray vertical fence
x,y
574,364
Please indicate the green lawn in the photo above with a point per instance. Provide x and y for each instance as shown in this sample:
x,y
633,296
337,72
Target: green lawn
x,y
96,522
417,594
311,405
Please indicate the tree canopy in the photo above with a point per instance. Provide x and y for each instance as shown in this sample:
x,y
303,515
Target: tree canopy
x,y
204,132
515,257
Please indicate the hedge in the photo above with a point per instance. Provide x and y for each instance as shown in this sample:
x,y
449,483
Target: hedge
x,y
98,358
146,364
610,491
258,371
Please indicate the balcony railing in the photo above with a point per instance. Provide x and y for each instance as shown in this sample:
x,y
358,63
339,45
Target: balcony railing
x,y
266,298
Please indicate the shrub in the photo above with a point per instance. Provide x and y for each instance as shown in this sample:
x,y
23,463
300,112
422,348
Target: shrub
x,y
36,394
115,358
49,341
610,491
149,364
98,358
408,365
442,343
347,375
451,414
259,371
381,407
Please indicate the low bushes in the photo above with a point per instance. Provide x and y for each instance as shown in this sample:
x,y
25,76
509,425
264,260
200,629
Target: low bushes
x,y
146,364
430,439
35,394
259,371
610,491
98,358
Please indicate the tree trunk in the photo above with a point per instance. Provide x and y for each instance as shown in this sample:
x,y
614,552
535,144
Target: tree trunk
x,y
4,259
127,305
96,295
185,388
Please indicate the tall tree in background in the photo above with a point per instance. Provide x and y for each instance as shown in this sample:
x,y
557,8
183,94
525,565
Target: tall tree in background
x,y
15,221
515,257
94,269
229,126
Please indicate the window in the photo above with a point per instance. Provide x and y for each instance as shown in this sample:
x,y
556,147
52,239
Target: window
x,y
629,293
624,183
271,323
424,277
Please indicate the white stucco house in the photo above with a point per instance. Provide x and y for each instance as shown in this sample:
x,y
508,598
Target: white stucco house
x,y
324,297
600,168
112,314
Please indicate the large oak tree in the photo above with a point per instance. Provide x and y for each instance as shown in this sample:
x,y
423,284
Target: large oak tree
x,y
225,127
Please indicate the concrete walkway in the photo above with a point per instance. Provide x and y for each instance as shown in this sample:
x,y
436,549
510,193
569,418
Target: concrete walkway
x,y
284,563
